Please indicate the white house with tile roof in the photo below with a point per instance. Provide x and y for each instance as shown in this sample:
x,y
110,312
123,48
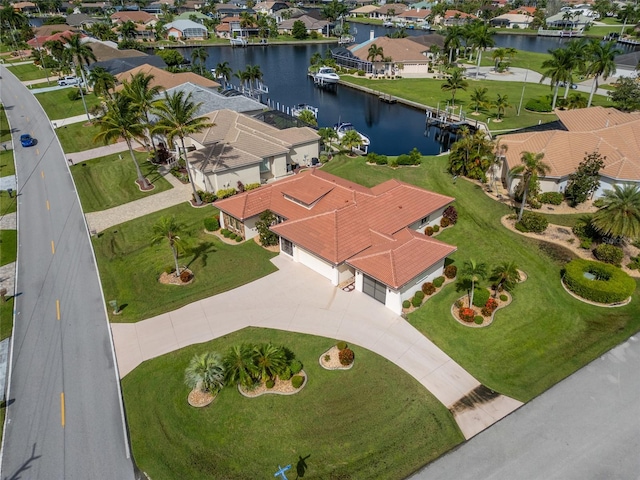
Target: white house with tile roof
x,y
612,133
373,237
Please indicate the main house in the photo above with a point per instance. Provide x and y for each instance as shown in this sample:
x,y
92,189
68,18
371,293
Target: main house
x,y
610,132
371,237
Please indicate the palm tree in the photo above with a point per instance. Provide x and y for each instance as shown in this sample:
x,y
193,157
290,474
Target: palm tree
x,y
243,76
327,134
498,55
474,272
128,30
122,120
167,228
502,102
576,60
102,81
602,63
223,71
374,52
532,164
557,69
199,56
307,117
177,118
452,40
270,360
205,372
479,98
454,83
506,275
481,38
619,217
80,53
240,365
254,75
351,140
142,95
576,100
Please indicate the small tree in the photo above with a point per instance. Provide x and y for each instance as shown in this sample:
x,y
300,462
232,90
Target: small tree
x,y
308,117
168,228
586,179
270,360
299,30
626,95
506,274
473,272
267,237
205,372
351,140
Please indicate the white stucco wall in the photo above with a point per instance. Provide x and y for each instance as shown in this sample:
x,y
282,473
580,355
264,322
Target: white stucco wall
x,y
250,229
230,178
345,272
297,153
317,264
434,219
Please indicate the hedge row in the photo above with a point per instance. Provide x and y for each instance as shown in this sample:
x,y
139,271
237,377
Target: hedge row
x,y
610,286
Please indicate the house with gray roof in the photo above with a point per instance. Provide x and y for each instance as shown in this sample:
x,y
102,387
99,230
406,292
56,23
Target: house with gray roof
x,y
186,29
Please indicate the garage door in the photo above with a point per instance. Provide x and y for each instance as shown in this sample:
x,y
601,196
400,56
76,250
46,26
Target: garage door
x,y
375,289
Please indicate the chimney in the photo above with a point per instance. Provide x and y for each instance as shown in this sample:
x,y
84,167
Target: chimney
x,y
371,35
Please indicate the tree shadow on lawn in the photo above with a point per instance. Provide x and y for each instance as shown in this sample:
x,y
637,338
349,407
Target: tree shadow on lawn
x,y
202,251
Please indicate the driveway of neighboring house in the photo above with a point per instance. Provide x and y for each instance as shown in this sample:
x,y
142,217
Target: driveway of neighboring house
x,y
299,300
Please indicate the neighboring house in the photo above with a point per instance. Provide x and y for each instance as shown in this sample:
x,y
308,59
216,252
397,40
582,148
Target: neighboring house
x,y
372,237
186,30
364,11
194,16
138,17
270,8
166,80
122,64
388,11
512,20
569,20
38,41
321,27
239,148
454,17
80,20
610,132
210,100
227,9
414,16
25,7
626,65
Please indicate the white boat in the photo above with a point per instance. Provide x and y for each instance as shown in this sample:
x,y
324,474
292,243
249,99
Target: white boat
x,y
343,127
387,24
238,42
326,75
296,110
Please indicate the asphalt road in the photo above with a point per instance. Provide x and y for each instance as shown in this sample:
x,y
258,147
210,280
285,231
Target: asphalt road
x,y
586,427
64,416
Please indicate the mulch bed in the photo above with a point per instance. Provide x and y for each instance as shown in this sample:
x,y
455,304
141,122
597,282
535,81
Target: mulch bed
x,y
281,387
143,188
334,361
197,398
172,279
478,311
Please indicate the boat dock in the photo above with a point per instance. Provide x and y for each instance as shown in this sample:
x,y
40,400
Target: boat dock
x,y
320,83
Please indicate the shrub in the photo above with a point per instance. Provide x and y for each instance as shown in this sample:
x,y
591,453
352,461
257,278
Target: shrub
x,y
393,163
251,186
480,297
297,381
583,230
377,159
586,243
634,264
436,228
238,238
489,307
233,235
185,276
598,203
450,271
538,105
269,383
286,373
404,159
207,197
533,222
610,284
428,231
341,345
503,298
428,288
608,253
419,294
437,282
416,301
361,73
466,314
551,198
478,320
211,224
327,358
534,203
444,222
346,356
458,303
451,214
295,366
169,269
225,192
406,304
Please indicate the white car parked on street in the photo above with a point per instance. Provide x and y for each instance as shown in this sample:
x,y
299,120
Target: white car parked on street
x,y
69,80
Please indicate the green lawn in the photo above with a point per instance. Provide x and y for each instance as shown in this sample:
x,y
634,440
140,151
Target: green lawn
x,y
130,266
78,137
7,165
545,335
7,205
566,219
8,246
6,319
373,421
109,181
28,72
428,91
5,131
58,106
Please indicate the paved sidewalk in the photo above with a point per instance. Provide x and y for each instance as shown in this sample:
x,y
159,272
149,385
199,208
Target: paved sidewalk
x,y
71,120
299,300
78,157
98,221
8,221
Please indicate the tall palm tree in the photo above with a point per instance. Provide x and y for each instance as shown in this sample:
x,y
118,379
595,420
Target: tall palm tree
x,y
177,118
576,100
351,140
502,103
128,30
102,81
620,215
455,82
270,360
498,56
254,75
80,52
481,39
122,120
474,272
452,40
240,365
205,372
557,69
138,88
479,98
223,71
167,228
576,60
327,134
374,52
199,56
506,275
602,63
532,164
243,76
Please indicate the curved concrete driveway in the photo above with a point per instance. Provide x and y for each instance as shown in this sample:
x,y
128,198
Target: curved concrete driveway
x,y
297,299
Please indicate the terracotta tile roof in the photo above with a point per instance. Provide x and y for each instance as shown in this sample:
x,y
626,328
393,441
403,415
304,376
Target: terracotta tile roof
x,y
458,14
61,36
415,13
564,150
398,259
399,49
332,217
164,79
133,16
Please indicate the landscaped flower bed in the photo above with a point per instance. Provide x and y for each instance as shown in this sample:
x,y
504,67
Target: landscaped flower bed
x,y
473,316
429,289
338,357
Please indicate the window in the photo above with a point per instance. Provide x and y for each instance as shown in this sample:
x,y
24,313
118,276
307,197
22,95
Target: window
x,y
265,166
287,246
425,220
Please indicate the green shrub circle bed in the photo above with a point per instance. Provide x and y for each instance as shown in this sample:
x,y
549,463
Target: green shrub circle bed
x,y
602,283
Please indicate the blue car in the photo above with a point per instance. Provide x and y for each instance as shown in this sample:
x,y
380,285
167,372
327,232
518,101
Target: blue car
x,y
27,140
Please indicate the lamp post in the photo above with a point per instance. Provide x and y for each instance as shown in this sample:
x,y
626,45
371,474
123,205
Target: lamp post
x,y
523,85
81,86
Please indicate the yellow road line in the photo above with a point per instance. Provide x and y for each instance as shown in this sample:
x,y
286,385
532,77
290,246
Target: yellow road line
x,y
48,206
62,408
37,151
42,173
53,248
58,309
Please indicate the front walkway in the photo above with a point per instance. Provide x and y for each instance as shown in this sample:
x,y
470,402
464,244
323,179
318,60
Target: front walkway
x,y
299,300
